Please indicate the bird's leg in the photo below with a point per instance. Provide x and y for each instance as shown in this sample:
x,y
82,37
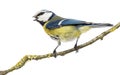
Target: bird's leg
x,y
54,52
75,46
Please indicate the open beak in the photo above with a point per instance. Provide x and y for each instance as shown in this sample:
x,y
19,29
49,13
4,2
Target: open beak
x,y
35,19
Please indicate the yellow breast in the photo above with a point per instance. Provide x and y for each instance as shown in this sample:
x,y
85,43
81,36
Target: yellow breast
x,y
65,33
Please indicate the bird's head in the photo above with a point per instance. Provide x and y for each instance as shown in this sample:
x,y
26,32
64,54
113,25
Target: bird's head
x,y
43,16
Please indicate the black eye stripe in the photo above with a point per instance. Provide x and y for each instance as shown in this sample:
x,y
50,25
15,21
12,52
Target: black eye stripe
x,y
41,13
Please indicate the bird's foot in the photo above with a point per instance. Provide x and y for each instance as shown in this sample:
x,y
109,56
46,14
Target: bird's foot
x,y
55,53
75,47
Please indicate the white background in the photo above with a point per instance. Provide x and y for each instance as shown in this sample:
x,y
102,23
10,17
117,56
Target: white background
x,y
20,35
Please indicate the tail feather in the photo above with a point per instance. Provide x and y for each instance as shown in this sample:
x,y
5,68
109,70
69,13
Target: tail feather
x,y
97,25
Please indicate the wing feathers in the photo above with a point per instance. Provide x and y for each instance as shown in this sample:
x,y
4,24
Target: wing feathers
x,y
73,22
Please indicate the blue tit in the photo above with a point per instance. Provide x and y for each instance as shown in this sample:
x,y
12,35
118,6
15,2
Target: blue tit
x,y
63,29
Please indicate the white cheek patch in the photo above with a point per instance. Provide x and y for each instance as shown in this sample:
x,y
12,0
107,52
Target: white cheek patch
x,y
44,17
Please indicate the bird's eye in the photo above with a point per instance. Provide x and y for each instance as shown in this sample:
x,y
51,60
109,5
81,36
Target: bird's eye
x,y
41,13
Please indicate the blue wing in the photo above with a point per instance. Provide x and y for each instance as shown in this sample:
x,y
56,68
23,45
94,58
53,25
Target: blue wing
x,y
65,22
72,22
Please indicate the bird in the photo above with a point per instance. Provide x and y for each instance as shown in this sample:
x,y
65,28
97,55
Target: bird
x,y
64,29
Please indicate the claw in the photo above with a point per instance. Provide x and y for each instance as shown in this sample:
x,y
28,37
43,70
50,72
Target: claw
x,y
55,53
75,47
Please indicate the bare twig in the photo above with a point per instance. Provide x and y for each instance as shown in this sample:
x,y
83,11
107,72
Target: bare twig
x,y
22,62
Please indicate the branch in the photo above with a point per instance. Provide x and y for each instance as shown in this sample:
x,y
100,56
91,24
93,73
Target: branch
x,y
22,62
